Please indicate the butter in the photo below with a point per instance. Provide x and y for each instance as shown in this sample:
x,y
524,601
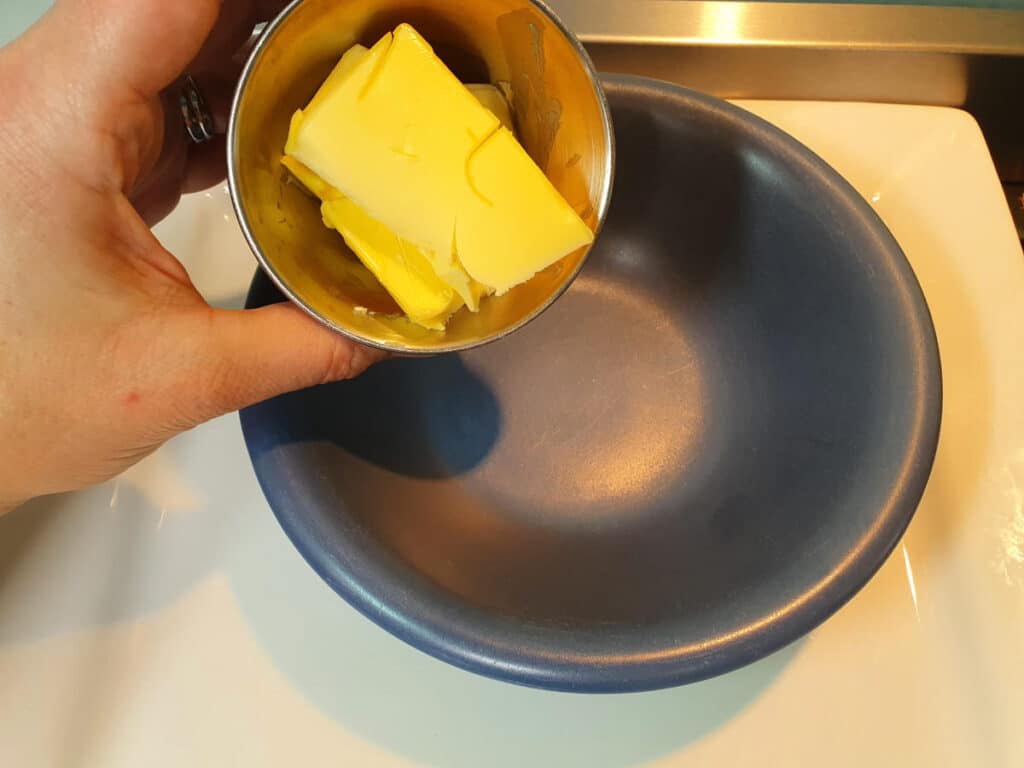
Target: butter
x,y
400,266
397,264
427,185
494,101
515,223
310,180
380,136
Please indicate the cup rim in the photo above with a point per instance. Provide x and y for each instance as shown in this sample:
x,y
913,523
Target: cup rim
x,y
602,207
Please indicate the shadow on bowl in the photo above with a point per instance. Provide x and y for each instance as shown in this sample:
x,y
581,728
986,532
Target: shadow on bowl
x,y
438,423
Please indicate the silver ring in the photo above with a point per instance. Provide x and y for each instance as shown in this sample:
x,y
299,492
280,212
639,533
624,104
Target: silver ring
x,y
196,114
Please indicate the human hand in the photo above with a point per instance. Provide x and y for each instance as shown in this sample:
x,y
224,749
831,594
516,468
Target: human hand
x,y
106,348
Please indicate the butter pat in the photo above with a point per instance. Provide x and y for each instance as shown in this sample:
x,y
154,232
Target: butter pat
x,y
394,132
400,266
515,223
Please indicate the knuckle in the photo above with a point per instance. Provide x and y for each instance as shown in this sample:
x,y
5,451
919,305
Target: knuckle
x,y
338,364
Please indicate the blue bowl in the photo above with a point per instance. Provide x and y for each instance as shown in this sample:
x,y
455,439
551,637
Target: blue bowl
x,y
698,454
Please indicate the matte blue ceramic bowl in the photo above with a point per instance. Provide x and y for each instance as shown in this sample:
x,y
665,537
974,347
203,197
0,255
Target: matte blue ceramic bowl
x,y
698,454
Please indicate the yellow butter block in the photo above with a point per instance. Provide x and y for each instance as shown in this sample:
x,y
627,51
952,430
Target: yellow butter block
x,y
396,133
515,223
397,264
400,266
359,135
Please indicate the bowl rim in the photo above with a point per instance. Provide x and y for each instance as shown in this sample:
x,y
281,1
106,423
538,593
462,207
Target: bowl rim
x,y
602,207
424,626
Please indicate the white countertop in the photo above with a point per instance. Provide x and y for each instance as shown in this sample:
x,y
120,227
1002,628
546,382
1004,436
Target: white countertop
x,y
164,618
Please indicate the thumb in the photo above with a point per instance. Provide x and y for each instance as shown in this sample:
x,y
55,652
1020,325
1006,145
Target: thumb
x,y
248,356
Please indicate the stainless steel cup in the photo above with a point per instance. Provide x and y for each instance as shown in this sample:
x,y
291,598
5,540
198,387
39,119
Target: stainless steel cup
x,y
562,119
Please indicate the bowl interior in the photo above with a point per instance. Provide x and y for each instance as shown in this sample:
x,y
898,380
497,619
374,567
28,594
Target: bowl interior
x,y
561,118
699,453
